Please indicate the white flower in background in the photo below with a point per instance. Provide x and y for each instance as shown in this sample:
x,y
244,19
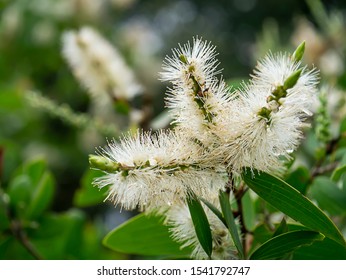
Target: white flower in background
x,y
197,99
11,20
66,9
153,171
269,114
183,231
99,66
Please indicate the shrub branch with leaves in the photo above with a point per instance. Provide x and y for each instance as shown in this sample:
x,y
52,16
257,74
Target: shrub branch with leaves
x,y
223,142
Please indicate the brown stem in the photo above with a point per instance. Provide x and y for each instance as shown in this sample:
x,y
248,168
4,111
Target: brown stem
x,y
147,109
16,229
20,235
319,170
239,193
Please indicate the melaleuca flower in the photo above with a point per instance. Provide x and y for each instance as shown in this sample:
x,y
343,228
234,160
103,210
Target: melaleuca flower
x,y
198,61
99,66
183,231
272,72
197,99
152,171
269,114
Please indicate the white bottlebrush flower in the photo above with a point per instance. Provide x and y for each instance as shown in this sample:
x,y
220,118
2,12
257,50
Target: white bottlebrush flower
x,y
198,60
274,70
153,171
183,231
267,126
99,66
197,98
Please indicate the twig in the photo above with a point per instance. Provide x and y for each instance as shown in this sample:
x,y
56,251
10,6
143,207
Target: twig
x,y
20,235
16,229
239,193
319,170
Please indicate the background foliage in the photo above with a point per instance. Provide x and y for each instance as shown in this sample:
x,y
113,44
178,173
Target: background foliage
x,y
48,207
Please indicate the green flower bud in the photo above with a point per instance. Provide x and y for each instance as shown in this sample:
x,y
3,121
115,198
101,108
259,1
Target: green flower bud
x,y
102,163
299,52
292,80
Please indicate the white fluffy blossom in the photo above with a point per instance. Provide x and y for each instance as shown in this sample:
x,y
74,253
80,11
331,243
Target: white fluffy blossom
x,y
183,231
98,65
153,171
273,71
197,98
265,126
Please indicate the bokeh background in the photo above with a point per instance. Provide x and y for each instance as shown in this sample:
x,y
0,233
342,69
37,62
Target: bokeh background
x,y
40,99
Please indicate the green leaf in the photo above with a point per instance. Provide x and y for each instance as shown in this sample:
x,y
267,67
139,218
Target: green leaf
x,y
200,222
19,191
341,168
144,235
87,194
299,179
262,233
337,173
284,244
214,210
292,203
248,211
328,195
282,228
59,236
35,169
233,229
326,249
41,197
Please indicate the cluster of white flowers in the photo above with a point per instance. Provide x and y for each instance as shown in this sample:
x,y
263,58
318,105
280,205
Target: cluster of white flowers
x,y
99,66
153,171
217,132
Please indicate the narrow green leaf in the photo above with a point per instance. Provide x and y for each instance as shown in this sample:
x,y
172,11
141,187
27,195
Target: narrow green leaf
x,y
248,211
233,229
200,222
326,249
284,244
214,210
41,197
144,235
282,228
292,203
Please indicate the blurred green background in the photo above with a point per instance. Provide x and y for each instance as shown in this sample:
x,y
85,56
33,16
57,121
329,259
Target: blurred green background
x,y
48,208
